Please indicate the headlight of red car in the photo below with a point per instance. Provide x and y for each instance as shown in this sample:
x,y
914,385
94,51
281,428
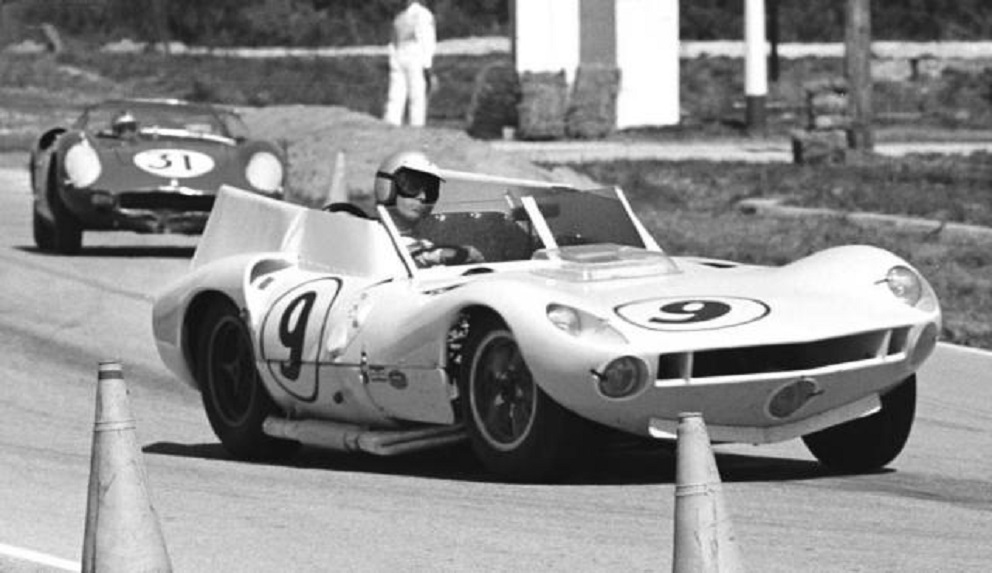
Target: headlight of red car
x,y
82,164
265,172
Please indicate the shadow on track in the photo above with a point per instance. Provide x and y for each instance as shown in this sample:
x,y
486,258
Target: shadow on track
x,y
641,465
107,251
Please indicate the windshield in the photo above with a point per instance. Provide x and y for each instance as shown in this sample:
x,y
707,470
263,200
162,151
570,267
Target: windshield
x,y
498,224
199,120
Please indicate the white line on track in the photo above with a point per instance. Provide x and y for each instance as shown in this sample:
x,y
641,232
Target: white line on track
x,y
967,349
39,558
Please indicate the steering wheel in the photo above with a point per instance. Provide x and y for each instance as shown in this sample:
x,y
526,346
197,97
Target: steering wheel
x,y
450,254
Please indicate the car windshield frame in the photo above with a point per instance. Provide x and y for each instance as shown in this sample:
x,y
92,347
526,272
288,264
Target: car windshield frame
x,y
162,118
510,224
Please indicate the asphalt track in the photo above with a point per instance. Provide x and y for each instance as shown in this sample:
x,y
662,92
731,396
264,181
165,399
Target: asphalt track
x,y
59,316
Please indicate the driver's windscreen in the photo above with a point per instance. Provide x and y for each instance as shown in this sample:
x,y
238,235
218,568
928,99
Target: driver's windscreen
x,y
584,218
170,117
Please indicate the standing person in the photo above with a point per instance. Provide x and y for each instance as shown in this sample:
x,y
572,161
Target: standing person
x,y
411,55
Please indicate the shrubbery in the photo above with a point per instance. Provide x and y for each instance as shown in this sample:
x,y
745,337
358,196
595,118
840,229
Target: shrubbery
x,y
351,22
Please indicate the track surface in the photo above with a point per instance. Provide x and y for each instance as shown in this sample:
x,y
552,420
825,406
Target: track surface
x,y
60,316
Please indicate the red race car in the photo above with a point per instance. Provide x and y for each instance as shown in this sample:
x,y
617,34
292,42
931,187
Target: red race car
x,y
145,165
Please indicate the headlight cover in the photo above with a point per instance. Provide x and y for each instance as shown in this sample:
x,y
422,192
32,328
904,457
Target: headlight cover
x,y
622,377
82,164
265,172
583,325
905,284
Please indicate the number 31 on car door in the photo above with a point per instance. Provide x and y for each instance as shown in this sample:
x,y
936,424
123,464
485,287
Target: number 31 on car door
x,y
292,331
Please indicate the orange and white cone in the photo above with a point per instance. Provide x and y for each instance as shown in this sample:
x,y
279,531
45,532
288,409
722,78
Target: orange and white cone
x,y
122,530
704,537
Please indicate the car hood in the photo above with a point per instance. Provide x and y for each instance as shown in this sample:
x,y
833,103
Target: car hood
x,y
151,164
698,303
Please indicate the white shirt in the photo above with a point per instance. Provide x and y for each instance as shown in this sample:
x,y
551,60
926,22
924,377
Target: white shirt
x,y
413,30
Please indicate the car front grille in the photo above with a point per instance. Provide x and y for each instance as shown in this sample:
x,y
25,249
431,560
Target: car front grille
x,y
155,200
777,358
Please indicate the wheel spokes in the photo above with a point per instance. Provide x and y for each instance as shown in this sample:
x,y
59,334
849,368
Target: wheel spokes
x,y
504,392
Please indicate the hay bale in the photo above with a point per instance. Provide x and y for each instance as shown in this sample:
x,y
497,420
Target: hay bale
x,y
592,111
543,103
495,97
826,147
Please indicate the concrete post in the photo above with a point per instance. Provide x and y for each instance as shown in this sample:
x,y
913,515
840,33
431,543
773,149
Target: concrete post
x,y
755,65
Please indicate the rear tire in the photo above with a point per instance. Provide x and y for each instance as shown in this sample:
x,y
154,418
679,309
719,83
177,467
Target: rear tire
x,y
516,430
234,398
871,442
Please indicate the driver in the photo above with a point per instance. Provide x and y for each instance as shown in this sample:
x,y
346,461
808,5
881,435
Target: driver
x,y
124,125
408,183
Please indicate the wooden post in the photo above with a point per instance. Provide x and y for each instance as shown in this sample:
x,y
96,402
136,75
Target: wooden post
x,y
773,40
755,65
857,32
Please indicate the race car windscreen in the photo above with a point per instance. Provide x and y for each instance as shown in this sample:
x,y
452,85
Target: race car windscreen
x,y
99,119
586,217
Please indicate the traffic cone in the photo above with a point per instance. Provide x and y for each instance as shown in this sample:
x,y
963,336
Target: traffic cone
x,y
122,530
704,537
338,192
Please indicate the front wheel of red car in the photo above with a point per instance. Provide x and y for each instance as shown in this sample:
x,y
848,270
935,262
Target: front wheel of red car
x,y
233,396
871,442
44,232
516,430
66,230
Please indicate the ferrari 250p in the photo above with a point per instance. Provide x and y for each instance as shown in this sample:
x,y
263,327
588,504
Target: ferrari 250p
x,y
301,326
149,166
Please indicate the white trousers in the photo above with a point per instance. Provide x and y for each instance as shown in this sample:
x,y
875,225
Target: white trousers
x,y
407,87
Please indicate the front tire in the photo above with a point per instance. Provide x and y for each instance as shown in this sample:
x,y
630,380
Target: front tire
x,y
233,396
871,442
66,230
44,232
516,430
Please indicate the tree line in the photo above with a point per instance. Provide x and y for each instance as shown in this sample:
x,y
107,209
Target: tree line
x,y
355,22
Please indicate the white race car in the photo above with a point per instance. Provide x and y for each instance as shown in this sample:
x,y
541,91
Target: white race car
x,y
305,326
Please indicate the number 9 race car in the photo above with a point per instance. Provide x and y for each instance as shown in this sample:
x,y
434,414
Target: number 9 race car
x,y
302,326
150,166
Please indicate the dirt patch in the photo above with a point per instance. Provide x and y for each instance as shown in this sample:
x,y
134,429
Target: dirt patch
x,y
313,136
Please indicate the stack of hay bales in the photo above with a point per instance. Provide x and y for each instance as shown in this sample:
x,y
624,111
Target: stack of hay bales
x,y
825,137
539,106
592,111
543,103
494,101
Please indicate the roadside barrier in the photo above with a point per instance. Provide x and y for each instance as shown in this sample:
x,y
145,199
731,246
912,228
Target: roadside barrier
x,y
122,530
704,537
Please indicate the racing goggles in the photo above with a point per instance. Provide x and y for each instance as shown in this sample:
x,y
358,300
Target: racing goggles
x,y
412,184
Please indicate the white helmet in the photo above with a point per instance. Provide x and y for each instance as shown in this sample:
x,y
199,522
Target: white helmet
x,y
123,122
408,173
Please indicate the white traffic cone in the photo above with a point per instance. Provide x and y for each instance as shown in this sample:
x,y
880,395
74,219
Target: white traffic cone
x,y
122,530
704,537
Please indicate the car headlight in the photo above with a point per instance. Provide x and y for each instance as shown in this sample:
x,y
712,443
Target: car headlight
x,y
622,377
905,284
82,164
583,325
264,171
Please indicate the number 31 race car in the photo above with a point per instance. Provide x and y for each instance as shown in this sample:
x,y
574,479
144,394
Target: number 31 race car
x,y
150,166
301,326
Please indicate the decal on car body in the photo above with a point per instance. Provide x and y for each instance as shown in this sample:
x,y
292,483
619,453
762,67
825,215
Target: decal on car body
x,y
686,314
174,163
291,333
